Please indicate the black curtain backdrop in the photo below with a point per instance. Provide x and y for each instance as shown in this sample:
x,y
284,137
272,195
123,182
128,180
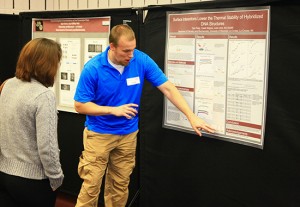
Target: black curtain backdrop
x,y
183,170
9,52
71,125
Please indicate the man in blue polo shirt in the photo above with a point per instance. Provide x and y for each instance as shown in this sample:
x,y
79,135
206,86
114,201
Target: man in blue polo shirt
x,y
109,93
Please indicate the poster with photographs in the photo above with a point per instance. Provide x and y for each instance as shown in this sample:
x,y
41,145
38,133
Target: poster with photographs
x,y
81,39
69,70
94,46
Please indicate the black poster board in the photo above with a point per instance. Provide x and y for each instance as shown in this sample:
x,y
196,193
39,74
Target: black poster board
x,y
9,34
180,169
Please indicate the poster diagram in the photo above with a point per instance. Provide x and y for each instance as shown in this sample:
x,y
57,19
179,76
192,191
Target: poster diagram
x,y
218,60
81,39
94,46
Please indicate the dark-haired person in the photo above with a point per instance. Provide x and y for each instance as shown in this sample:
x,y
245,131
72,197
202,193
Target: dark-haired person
x,y
30,169
109,92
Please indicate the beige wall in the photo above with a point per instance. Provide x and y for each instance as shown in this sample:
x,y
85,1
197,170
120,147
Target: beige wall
x,y
16,6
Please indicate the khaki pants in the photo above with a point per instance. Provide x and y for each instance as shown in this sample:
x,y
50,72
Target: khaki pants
x,y
113,154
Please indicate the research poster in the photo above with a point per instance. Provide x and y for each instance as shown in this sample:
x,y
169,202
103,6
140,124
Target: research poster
x,y
218,60
81,39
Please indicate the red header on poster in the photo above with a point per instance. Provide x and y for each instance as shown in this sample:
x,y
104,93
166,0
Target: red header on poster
x,y
72,25
226,21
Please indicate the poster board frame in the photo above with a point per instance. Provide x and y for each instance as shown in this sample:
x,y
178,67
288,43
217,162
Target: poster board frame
x,y
224,82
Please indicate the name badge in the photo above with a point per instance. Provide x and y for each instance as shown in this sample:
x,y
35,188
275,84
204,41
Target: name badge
x,y
133,81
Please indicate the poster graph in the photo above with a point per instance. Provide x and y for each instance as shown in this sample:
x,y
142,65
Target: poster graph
x,y
218,60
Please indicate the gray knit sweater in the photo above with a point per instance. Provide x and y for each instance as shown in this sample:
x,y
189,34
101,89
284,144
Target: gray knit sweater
x,y
28,132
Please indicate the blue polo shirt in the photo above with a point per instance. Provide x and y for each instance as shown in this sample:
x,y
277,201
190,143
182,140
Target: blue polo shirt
x,y
102,84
